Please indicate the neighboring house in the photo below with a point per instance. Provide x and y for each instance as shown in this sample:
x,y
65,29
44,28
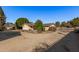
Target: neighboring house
x,y
28,26
10,26
48,26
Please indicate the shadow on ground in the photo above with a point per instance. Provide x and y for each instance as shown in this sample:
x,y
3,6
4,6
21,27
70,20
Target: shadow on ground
x,y
8,34
70,43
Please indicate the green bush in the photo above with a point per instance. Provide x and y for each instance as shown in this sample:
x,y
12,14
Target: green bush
x,y
39,26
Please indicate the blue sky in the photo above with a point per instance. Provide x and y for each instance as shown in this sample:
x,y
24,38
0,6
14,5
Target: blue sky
x,y
47,14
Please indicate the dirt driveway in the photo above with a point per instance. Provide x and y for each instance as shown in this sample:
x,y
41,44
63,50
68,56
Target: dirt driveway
x,y
69,43
23,41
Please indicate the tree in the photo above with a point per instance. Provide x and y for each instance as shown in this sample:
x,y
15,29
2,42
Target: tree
x,y
68,24
2,20
20,21
75,22
63,24
57,24
39,26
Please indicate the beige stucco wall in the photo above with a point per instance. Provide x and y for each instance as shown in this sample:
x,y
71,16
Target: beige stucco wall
x,y
46,28
26,27
52,26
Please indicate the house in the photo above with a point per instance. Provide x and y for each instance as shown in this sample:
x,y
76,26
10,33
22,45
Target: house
x,y
10,26
48,26
28,26
2,19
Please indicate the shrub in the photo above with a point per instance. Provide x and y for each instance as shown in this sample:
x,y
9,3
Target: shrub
x,y
39,26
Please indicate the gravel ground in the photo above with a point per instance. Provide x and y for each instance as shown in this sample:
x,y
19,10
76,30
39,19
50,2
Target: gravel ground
x,y
27,42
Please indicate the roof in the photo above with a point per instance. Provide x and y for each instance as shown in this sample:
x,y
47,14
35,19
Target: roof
x,y
48,24
30,24
9,25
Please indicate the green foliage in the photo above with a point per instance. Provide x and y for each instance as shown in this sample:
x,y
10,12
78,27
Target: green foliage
x,y
75,22
63,24
69,24
57,24
20,22
39,26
